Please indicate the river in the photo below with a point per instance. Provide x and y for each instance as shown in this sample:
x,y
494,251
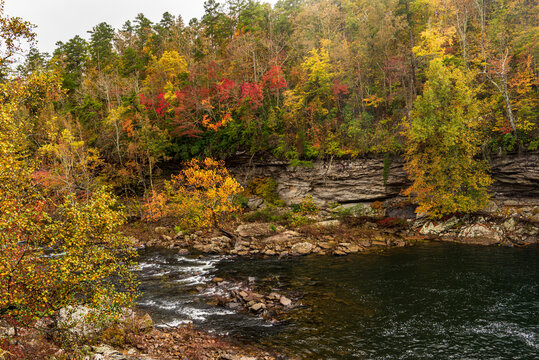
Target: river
x,y
431,301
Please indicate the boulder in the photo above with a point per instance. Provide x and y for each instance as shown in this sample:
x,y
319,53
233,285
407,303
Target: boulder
x,y
75,320
481,234
510,224
302,248
353,248
255,229
161,230
106,352
436,230
285,236
183,252
256,203
145,323
285,301
258,306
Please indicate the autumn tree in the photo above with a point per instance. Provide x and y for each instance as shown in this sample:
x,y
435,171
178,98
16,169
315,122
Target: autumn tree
x,y
55,252
200,196
14,32
444,139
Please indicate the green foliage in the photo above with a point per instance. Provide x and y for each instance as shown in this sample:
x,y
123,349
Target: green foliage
x,y
443,142
271,213
265,188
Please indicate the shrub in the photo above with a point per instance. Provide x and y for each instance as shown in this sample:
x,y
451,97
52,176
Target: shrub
x,y
266,188
306,206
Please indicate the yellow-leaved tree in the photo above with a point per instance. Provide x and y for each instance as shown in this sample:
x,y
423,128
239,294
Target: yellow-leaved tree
x,y
200,196
444,138
54,253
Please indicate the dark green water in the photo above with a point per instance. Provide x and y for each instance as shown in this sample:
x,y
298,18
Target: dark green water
x,y
436,301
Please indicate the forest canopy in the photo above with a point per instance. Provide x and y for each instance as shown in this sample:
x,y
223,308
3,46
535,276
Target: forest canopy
x,y
300,80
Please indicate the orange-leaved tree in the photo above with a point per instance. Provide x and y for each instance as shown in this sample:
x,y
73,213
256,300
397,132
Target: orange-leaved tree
x,y
200,196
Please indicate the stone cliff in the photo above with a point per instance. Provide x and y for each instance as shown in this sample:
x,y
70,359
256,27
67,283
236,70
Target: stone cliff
x,y
516,179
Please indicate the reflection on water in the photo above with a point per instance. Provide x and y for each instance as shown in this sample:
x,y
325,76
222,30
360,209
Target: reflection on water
x,y
438,301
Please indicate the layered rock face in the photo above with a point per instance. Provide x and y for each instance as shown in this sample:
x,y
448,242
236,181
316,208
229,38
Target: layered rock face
x,y
516,179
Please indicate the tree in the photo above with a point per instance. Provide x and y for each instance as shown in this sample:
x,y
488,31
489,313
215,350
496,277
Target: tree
x,y
100,47
13,32
34,61
200,196
73,56
54,252
443,143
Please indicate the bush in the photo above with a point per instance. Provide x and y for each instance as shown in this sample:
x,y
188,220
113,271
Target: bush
x,y
306,206
265,188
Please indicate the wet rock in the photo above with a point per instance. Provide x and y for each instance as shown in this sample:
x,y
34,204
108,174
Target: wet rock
x,y
302,248
217,280
258,307
285,301
233,305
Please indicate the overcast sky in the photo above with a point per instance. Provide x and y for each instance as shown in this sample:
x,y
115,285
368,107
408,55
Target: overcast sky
x,y
60,20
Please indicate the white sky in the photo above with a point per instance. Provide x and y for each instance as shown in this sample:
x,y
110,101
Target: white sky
x,y
60,20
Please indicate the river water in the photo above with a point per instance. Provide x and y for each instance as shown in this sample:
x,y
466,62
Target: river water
x,y
433,301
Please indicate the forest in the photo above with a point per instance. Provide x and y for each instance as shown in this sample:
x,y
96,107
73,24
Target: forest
x,y
88,133
428,79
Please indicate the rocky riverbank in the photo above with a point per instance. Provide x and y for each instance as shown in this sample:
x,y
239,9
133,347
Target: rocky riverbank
x,y
329,233
132,338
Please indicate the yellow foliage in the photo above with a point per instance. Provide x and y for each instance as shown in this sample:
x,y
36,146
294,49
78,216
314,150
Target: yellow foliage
x,y
443,141
163,72
200,196
53,256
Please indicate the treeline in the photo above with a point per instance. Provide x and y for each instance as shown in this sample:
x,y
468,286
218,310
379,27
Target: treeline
x,y
301,80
